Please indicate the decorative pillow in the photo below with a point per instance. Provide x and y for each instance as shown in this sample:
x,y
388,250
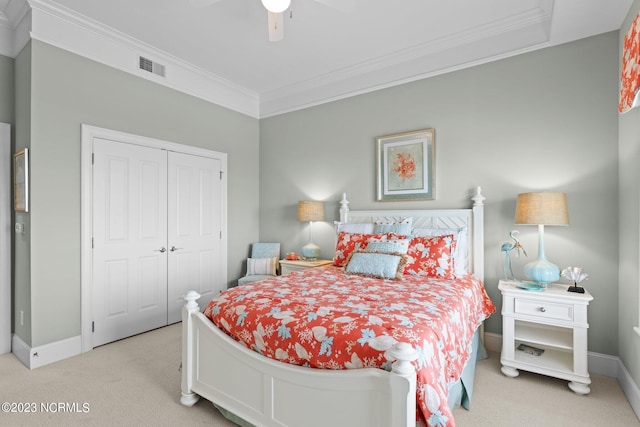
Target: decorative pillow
x,y
431,257
397,225
349,242
370,264
461,245
398,246
363,228
261,266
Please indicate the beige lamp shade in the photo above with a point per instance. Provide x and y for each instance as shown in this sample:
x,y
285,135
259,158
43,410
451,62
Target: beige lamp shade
x,y
542,209
309,210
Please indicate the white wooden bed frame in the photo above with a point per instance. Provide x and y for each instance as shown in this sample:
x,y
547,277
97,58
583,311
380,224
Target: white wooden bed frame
x,y
265,392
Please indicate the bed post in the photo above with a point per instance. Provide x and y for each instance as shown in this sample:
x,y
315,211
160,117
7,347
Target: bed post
x,y
344,208
188,398
478,234
403,354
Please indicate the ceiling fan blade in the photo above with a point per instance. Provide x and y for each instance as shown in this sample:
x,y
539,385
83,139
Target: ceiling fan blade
x,y
202,3
344,6
276,26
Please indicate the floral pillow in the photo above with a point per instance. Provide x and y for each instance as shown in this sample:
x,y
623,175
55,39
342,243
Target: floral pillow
x,y
431,257
349,242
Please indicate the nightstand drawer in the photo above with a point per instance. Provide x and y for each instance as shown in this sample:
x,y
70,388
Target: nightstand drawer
x,y
544,309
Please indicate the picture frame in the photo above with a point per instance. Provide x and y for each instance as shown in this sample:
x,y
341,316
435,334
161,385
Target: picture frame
x,y
21,180
405,167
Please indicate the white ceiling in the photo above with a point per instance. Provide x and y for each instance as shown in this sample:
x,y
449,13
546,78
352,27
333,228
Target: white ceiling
x,y
327,52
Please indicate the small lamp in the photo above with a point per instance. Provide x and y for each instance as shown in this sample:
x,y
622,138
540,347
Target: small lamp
x,y
542,209
309,210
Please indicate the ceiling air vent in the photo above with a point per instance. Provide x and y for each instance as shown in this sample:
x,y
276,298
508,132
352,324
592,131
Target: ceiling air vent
x,y
150,66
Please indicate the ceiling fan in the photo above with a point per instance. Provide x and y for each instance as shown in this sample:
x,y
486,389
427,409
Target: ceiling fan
x,y
276,9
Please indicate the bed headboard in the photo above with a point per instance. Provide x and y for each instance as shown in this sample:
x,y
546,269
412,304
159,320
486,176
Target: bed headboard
x,y
471,218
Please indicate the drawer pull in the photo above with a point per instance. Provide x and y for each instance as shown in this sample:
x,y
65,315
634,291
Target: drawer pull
x,y
542,309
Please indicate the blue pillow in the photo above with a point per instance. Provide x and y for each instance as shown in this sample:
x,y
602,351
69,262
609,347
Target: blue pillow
x,y
400,246
379,265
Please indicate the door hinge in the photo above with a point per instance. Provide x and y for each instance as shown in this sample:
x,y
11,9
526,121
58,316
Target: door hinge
x,y
93,326
220,234
93,158
221,172
92,243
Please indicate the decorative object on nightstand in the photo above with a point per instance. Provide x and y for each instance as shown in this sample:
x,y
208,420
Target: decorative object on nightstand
x,y
542,209
507,248
576,275
310,210
546,333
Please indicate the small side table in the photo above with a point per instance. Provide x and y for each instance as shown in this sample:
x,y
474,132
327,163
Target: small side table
x,y
553,324
287,266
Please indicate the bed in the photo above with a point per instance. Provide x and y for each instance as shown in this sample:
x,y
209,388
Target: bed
x,y
427,369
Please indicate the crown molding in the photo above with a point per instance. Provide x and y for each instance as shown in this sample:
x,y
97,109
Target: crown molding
x,y
15,23
542,25
456,51
65,29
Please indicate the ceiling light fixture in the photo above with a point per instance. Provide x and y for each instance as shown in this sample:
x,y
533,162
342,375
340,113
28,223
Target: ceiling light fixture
x,y
276,6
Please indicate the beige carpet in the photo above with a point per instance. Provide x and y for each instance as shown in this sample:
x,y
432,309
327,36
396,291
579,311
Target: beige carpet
x,y
135,382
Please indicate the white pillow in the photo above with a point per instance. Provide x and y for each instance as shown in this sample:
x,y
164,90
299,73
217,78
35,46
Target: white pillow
x,y
462,245
261,266
360,228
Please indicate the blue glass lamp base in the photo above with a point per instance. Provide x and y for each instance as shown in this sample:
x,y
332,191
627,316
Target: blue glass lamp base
x,y
311,251
542,271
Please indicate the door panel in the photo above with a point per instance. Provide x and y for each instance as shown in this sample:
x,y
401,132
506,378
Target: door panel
x,y
129,239
194,229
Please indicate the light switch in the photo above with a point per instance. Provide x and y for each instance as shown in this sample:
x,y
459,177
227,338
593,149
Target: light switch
x,y
19,228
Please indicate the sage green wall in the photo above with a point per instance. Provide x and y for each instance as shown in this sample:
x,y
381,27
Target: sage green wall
x,y
544,120
21,242
68,90
629,234
6,89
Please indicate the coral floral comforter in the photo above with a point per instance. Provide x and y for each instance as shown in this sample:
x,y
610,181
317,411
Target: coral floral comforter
x,y
324,318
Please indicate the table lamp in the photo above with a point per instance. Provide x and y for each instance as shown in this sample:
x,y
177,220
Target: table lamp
x,y
542,209
309,210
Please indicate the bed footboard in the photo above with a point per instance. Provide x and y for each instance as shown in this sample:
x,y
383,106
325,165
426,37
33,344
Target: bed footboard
x,y
267,393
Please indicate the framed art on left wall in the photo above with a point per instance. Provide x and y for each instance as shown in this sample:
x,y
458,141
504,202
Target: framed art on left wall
x,y
21,180
406,166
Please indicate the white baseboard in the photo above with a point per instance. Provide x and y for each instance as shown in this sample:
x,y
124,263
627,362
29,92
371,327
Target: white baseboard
x,y
629,387
599,364
49,353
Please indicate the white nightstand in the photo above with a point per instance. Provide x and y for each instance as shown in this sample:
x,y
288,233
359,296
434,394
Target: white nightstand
x,y
287,266
553,320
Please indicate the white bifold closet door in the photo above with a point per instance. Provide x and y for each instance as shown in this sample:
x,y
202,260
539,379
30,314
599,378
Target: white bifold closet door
x,y
156,234
194,227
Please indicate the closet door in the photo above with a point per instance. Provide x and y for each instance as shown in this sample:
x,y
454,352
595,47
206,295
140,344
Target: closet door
x,y
5,238
194,230
129,240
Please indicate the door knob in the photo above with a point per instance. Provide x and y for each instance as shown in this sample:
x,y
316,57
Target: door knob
x,y
161,250
173,248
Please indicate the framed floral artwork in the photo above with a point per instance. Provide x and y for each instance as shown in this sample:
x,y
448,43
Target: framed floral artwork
x,y
406,166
